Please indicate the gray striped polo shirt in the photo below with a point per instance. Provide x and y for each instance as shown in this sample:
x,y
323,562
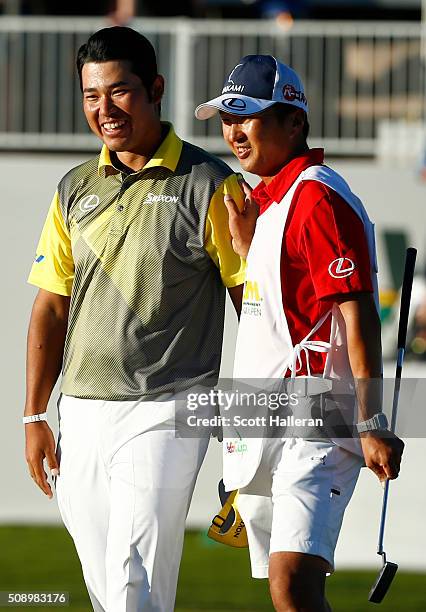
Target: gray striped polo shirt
x,y
145,258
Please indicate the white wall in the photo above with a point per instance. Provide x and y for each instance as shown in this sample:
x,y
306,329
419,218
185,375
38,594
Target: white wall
x,y
394,199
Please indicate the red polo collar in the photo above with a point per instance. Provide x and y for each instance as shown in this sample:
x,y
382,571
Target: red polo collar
x,y
264,195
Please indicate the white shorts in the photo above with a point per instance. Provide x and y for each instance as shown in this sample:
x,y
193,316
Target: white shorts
x,y
124,490
296,500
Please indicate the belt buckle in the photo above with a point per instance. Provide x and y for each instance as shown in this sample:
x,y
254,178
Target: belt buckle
x,y
306,386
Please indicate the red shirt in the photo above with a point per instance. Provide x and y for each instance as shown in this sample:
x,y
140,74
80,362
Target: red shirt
x,y
321,229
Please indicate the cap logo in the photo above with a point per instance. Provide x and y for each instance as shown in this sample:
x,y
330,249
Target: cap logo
x,y
232,72
234,104
232,86
291,94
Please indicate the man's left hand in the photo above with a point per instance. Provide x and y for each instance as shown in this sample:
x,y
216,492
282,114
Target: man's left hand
x,y
382,453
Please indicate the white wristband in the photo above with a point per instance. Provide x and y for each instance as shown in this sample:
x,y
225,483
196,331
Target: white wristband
x,y
33,418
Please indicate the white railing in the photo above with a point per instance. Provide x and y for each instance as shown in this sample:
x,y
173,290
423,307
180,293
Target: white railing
x,y
356,74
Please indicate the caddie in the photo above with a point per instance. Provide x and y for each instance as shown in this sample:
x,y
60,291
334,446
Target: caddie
x,y
310,318
131,266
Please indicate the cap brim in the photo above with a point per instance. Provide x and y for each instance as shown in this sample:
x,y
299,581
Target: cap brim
x,y
236,104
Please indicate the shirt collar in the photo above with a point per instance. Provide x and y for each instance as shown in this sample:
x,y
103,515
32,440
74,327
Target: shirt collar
x,y
281,183
167,155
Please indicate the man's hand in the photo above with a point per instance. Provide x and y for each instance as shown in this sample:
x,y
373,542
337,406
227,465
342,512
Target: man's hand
x,y
39,445
382,449
382,453
242,224
46,339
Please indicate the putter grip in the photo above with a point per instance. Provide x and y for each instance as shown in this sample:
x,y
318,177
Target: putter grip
x,y
407,284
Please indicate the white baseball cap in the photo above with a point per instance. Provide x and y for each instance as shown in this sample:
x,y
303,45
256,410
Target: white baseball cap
x,y
256,83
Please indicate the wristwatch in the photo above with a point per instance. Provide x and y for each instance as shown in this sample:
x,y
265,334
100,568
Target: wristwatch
x,y
35,418
377,422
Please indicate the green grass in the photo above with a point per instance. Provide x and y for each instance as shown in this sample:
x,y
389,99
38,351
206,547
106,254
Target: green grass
x,y
212,578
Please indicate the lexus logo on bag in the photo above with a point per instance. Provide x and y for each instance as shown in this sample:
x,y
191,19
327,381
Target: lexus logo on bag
x,y
341,267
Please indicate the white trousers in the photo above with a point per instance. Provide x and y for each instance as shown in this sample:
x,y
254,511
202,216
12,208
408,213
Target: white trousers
x,y
297,499
124,490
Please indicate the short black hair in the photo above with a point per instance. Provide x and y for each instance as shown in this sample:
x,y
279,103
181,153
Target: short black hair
x,y
120,43
282,111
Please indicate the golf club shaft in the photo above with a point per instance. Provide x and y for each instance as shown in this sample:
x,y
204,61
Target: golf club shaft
x,y
407,284
380,550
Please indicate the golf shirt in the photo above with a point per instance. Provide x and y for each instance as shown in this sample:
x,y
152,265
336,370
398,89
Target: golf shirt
x,y
145,257
324,251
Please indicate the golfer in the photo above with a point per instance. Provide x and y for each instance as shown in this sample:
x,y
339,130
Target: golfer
x,y
132,266
310,319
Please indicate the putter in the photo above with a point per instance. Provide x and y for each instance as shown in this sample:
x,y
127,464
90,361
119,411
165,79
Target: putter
x,y
388,571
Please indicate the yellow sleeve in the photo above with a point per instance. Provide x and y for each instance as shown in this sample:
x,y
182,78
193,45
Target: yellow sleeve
x,y
217,237
53,267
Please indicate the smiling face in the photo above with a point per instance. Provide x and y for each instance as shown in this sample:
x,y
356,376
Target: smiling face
x,y
263,143
118,108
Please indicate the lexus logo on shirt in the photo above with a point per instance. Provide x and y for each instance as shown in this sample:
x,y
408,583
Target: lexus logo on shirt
x,y
341,267
89,202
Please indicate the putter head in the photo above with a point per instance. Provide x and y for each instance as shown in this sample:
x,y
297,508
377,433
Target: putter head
x,y
228,527
383,582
